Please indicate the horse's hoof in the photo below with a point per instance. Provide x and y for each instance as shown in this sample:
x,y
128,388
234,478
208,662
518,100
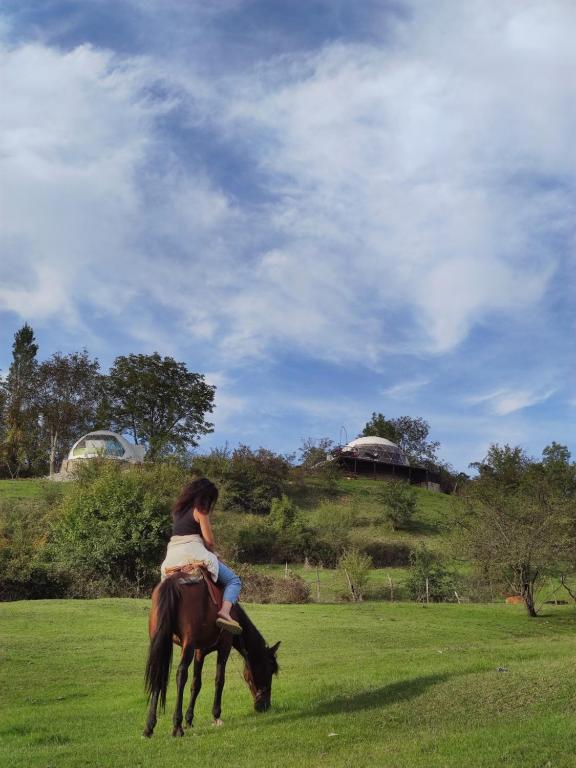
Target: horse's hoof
x,y
218,723
178,731
147,733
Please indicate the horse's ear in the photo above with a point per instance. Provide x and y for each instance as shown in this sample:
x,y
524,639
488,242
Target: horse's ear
x,y
274,648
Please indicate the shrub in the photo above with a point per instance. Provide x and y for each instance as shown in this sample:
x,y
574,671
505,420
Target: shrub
x,y
356,565
385,554
425,564
114,524
323,552
256,542
333,524
399,500
24,570
259,587
253,478
292,589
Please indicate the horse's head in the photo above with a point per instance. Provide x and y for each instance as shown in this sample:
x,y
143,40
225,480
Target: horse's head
x,y
258,674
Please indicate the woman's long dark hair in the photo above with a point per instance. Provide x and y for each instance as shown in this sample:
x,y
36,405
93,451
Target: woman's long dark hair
x,y
200,494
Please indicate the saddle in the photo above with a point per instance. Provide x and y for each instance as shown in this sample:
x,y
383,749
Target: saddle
x,y
193,573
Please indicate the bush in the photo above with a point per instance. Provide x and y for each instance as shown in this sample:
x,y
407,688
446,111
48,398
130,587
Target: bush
x,y
356,566
292,589
387,554
324,553
399,500
38,582
428,565
253,479
259,587
25,573
114,525
256,542
333,524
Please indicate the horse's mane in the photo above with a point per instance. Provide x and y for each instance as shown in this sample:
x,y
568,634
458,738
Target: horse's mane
x,y
254,643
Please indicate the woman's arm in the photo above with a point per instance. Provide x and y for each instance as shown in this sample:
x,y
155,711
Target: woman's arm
x,y
206,528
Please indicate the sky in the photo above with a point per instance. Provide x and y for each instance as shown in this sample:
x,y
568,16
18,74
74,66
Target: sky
x,y
327,207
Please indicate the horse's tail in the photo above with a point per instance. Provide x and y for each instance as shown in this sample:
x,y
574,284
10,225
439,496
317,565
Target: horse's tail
x,y
166,600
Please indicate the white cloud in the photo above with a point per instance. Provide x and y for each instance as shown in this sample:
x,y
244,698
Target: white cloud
x,y
506,401
413,188
404,390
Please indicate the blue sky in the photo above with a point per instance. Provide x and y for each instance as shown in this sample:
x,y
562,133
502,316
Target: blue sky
x,y
328,207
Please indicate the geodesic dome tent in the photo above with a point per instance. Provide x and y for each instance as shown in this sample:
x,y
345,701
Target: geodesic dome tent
x,y
375,449
108,445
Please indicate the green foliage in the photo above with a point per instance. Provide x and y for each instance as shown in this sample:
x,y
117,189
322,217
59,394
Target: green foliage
x,y
410,435
25,569
284,514
399,502
253,479
385,554
517,519
68,392
160,402
114,524
356,566
256,542
332,525
19,437
427,566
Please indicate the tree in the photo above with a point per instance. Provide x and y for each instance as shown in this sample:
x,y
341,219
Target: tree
x,y
315,452
399,501
516,523
68,391
160,402
20,425
408,433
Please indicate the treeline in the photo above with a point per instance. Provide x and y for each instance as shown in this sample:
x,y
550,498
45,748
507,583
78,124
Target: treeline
x,y
46,405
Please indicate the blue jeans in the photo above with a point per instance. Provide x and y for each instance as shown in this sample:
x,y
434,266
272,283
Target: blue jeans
x,y
229,581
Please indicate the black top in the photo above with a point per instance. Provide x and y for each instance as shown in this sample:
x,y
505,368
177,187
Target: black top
x,y
186,525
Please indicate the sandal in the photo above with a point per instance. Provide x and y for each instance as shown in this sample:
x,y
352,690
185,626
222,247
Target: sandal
x,y
229,625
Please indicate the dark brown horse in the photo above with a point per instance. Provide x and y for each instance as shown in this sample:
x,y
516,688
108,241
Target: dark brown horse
x,y
186,614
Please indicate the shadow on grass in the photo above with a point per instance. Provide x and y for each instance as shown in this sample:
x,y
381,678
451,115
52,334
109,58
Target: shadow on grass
x,y
375,698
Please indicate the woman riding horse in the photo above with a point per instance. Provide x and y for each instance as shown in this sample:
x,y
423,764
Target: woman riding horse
x,y
193,541
186,614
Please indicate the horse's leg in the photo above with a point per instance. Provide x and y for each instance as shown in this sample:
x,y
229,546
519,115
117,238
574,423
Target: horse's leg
x,y
151,722
199,657
223,653
181,678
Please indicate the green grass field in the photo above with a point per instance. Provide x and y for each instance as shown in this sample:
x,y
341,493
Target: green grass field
x,y
19,489
360,685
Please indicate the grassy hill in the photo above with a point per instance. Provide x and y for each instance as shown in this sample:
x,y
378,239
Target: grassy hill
x,y
395,686
350,502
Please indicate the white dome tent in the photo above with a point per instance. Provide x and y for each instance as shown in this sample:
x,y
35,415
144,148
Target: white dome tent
x,y
376,449
105,444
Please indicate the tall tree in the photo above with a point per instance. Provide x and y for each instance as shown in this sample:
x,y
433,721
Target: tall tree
x,y
19,442
409,433
68,395
160,402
